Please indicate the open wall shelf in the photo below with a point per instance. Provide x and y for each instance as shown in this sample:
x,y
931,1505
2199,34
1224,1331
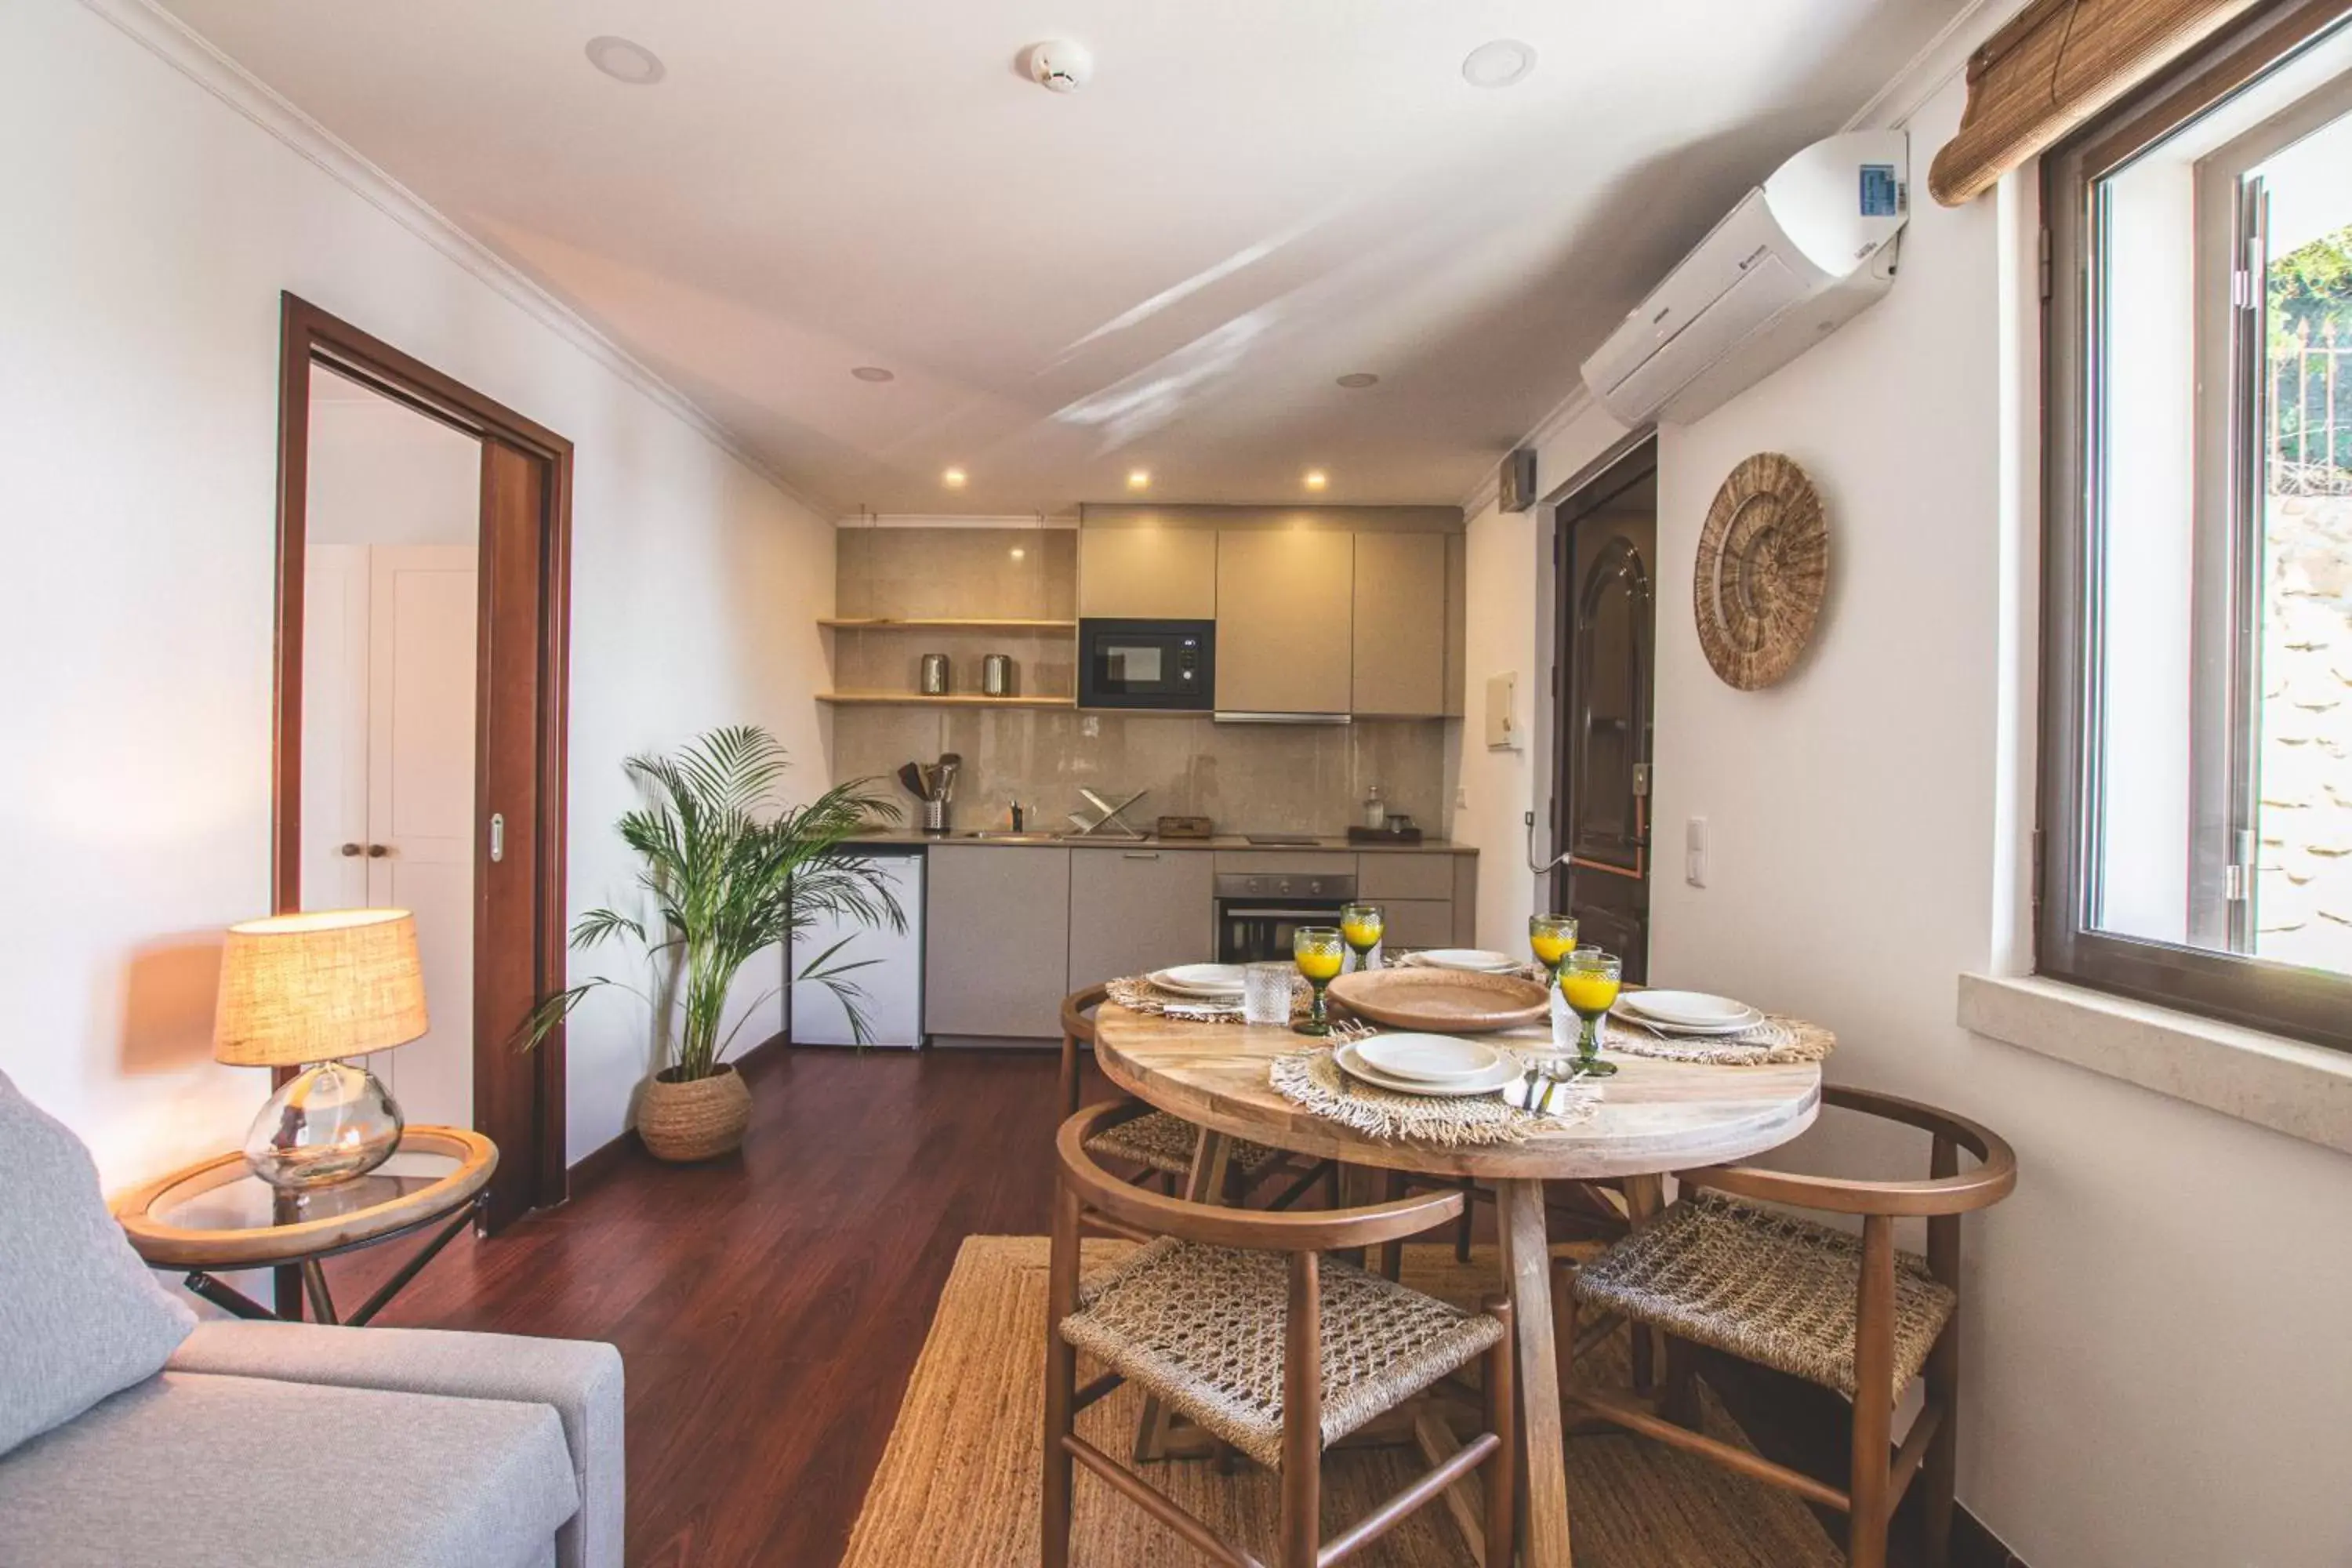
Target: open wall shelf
x,y
860,624
917,699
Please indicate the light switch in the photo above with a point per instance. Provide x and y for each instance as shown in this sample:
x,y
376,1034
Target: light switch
x,y
1503,712
1695,851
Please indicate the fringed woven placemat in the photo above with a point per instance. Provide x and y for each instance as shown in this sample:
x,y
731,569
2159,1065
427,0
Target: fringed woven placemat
x,y
1774,1041
1138,994
1313,1081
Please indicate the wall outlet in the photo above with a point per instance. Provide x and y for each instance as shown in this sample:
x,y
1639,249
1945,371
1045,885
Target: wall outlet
x,y
1461,797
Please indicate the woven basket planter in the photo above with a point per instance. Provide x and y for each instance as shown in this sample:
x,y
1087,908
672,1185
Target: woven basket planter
x,y
698,1119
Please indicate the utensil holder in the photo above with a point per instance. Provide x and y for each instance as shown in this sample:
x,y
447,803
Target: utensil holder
x,y
935,816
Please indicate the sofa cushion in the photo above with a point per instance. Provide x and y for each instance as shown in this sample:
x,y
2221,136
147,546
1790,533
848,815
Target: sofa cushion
x,y
80,1316
198,1471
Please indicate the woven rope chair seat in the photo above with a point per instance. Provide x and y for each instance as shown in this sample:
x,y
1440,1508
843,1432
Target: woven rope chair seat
x,y
1160,1142
1766,1287
1202,1326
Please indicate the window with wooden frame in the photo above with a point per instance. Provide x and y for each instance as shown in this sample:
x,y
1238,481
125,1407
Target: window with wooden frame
x,y
2196,815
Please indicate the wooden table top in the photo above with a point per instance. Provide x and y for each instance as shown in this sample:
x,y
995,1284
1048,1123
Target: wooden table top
x,y
218,1214
1654,1116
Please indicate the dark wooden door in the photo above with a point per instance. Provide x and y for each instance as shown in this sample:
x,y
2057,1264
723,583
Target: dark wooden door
x,y
509,856
1608,549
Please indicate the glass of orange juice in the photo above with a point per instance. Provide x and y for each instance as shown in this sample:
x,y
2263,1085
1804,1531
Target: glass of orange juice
x,y
1319,951
1553,937
1588,979
1361,926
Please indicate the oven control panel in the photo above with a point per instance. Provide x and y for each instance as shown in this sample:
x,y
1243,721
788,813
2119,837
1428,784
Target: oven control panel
x,y
1285,885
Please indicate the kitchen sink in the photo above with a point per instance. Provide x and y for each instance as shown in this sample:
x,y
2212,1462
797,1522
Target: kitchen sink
x,y
1008,836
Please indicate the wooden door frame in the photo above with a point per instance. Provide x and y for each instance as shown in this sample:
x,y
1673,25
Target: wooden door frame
x,y
308,335
1561,505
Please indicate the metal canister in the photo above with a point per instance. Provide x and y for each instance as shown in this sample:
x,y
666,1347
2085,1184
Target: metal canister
x,y
996,675
935,816
935,675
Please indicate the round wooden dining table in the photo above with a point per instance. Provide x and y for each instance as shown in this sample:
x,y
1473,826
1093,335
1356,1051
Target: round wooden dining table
x,y
1653,1117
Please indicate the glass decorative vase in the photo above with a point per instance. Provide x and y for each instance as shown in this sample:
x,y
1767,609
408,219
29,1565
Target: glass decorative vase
x,y
328,1124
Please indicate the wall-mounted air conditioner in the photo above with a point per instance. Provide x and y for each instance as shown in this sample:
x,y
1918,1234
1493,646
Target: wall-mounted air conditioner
x,y
1798,258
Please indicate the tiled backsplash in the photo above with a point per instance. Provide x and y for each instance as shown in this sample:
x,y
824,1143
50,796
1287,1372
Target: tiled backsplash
x,y
1247,778
1251,778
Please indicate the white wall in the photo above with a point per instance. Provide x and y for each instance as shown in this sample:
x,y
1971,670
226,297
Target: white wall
x,y
2155,1367
150,226
383,474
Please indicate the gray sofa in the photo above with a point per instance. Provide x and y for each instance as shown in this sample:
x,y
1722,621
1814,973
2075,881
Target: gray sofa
x,y
131,1433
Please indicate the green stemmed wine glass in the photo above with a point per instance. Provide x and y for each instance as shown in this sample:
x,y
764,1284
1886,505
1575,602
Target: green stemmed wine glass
x,y
1320,952
1589,980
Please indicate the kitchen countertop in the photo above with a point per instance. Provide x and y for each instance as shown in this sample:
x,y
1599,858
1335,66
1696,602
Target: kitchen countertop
x,y
1228,841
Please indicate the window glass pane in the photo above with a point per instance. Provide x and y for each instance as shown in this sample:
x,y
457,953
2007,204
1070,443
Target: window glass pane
x,y
2219,688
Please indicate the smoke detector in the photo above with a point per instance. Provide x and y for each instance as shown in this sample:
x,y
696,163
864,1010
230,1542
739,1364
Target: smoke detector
x,y
1061,65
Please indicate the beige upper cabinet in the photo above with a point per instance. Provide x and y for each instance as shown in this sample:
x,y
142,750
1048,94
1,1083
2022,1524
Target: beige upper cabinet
x,y
1285,615
1147,573
1399,621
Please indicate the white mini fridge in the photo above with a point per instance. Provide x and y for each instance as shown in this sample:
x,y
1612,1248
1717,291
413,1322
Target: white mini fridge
x,y
892,983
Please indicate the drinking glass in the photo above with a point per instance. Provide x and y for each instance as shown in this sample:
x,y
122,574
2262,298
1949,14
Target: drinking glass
x,y
1266,994
1319,949
1588,979
1361,926
1553,937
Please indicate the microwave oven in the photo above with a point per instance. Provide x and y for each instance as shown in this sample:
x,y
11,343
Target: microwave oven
x,y
1127,663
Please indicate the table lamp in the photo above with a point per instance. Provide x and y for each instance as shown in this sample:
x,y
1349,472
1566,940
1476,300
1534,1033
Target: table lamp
x,y
302,990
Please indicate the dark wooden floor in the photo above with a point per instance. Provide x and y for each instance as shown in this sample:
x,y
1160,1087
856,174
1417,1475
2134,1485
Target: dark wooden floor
x,y
770,1308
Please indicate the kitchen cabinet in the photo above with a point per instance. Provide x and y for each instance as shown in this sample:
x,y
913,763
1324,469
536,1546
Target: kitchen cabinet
x,y
997,940
1147,573
1399,624
1418,923
1285,607
1393,874
1135,910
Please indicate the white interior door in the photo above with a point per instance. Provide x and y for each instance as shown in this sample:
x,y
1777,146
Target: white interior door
x,y
334,727
422,616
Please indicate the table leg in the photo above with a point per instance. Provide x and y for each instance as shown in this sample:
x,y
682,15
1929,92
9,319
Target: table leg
x,y
228,1299
1211,1156
314,1283
1644,1197
1526,1267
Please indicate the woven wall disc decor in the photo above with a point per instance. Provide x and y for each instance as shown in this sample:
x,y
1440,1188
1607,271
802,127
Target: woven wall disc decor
x,y
1763,567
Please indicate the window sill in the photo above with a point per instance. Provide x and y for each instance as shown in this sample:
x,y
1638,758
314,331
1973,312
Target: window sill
x,y
2301,1090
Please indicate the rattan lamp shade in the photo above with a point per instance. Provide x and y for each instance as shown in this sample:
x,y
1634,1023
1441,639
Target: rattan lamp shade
x,y
312,987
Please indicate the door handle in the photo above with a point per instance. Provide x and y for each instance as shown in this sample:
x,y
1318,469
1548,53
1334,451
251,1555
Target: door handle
x,y
498,835
347,850
378,851
1140,854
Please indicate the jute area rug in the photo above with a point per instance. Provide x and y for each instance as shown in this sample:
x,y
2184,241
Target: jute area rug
x,y
957,1487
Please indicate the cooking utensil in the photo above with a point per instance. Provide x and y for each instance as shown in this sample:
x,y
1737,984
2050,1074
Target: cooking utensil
x,y
1442,1000
943,783
911,775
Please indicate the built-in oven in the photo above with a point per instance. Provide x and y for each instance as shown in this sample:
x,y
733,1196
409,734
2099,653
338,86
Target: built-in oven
x,y
1258,912
1147,663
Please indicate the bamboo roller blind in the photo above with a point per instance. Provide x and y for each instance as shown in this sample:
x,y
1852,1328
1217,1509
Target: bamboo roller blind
x,y
2057,63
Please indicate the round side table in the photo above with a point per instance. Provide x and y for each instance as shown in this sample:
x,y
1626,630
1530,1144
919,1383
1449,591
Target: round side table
x,y
216,1215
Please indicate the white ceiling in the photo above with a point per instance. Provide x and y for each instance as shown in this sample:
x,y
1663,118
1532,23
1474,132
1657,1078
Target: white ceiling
x,y
1164,270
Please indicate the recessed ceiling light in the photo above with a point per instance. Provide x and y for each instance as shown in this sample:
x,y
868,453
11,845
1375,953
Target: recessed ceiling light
x,y
1316,478
873,372
1138,478
1505,62
954,478
1357,379
626,61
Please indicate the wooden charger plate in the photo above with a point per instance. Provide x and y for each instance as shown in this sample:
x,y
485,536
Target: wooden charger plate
x,y
1442,1001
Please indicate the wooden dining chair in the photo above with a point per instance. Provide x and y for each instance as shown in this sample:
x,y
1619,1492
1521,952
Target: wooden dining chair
x,y
1848,1313
1237,1320
1159,1145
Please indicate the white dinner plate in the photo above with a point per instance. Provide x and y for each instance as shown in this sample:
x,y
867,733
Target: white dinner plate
x,y
1199,979
1428,1058
1476,959
1356,1067
1688,1009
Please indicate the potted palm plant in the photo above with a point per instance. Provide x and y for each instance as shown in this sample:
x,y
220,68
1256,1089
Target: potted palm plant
x,y
729,871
